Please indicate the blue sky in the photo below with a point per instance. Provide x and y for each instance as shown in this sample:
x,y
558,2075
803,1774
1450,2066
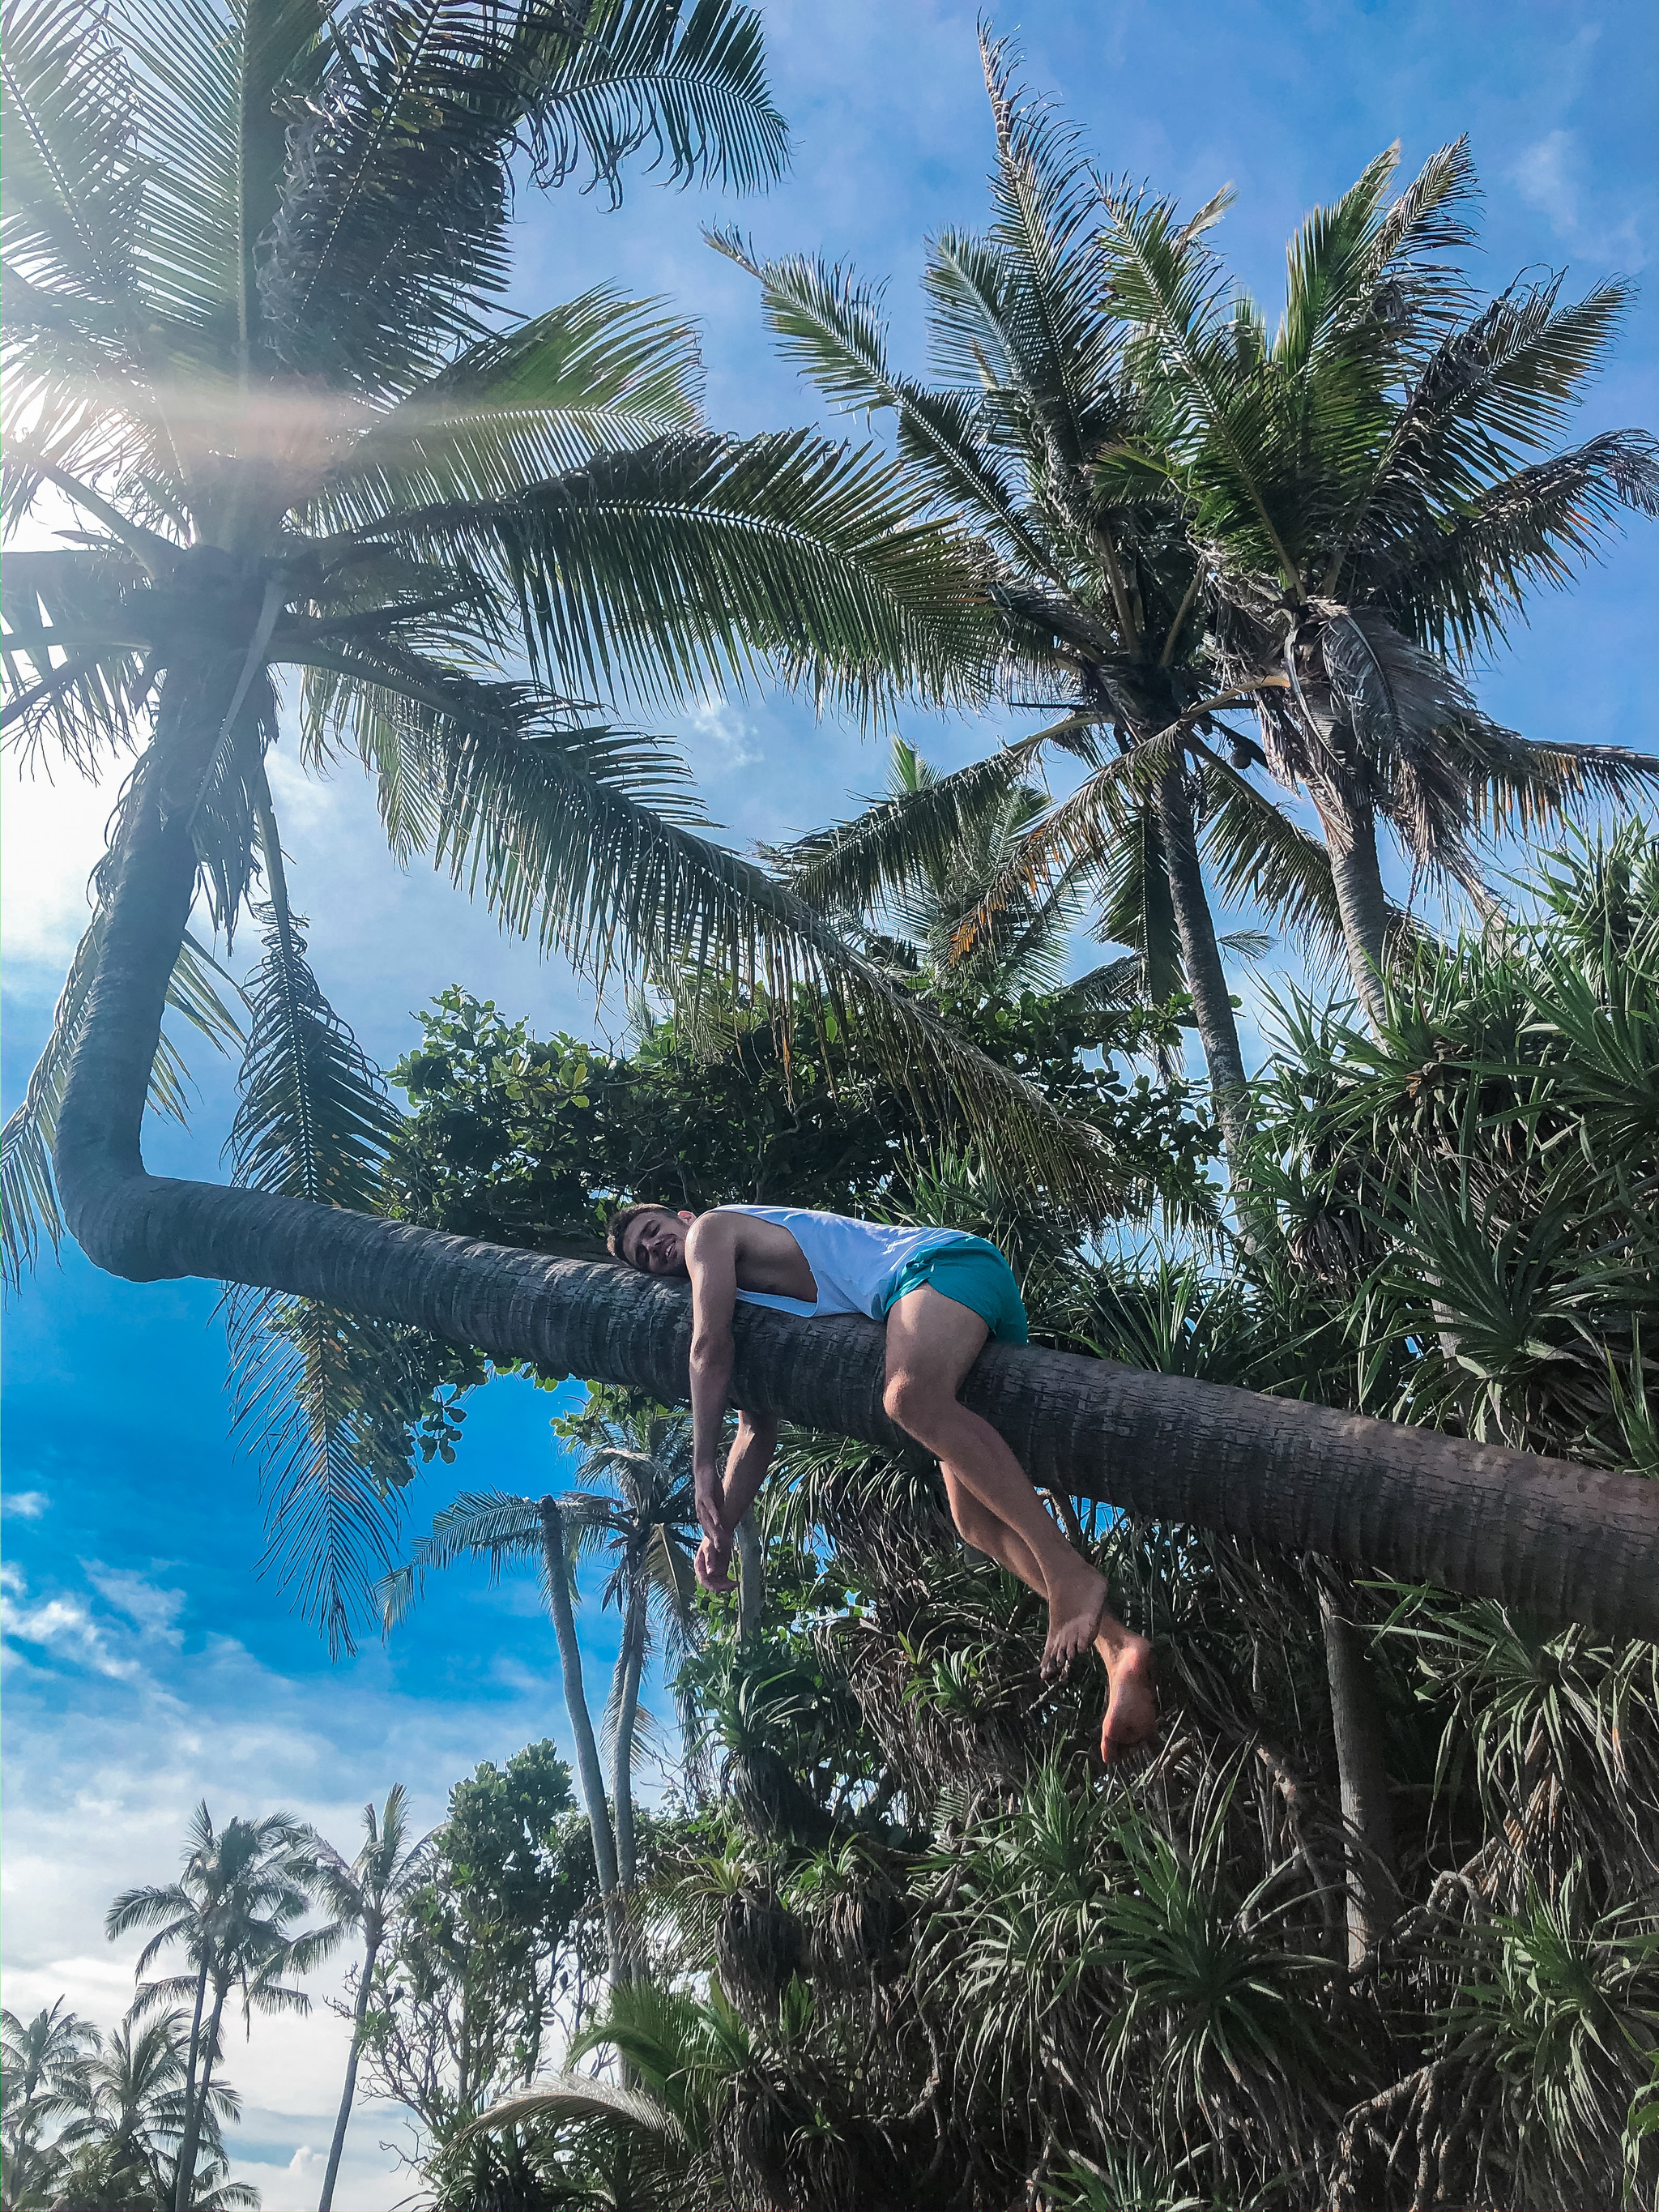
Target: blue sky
x,y
147,1662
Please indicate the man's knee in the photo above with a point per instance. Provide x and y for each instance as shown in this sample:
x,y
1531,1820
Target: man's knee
x,y
909,1399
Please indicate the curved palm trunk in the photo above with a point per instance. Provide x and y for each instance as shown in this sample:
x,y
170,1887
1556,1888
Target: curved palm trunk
x,y
360,2013
589,1772
630,1665
1562,1542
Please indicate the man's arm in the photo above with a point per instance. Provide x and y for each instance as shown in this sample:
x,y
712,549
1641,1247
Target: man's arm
x,y
711,1261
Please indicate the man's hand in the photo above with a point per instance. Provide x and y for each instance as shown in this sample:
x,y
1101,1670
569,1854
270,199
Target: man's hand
x,y
714,1563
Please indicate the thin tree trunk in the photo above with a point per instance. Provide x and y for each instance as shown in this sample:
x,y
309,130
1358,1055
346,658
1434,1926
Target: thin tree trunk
x,y
1361,901
589,1772
1362,1780
196,2026
632,1663
751,1578
1559,1540
360,2013
1206,979
190,2142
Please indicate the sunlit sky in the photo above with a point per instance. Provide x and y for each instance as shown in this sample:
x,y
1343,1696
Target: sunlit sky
x,y
147,1663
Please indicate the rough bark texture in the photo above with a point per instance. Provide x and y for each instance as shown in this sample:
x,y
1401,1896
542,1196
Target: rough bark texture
x,y
1357,879
1562,1542
1200,955
751,1578
1367,1813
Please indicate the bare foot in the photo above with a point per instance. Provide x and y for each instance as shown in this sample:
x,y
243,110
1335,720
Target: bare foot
x,y
1132,1709
1074,1609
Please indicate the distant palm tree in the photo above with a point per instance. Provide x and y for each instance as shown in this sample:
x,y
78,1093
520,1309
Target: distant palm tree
x,y
134,2121
1375,492
636,1508
367,1895
44,2074
231,1911
1092,575
498,1527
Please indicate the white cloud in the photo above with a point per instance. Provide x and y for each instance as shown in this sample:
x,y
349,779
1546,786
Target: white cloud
x,y
51,834
26,1504
1545,178
721,740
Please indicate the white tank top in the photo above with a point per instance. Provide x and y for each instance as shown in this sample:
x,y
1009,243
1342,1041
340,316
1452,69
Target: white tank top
x,y
853,1263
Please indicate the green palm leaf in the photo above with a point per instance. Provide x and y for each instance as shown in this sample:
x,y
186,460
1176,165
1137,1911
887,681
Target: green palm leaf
x,y
71,172
664,571
602,374
307,1387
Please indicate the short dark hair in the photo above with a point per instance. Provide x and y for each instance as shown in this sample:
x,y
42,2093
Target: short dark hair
x,y
619,1224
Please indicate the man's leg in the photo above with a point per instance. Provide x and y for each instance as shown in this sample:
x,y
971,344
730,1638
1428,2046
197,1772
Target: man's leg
x,y
932,1342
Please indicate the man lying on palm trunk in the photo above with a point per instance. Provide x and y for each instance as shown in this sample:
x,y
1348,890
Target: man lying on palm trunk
x,y
941,1294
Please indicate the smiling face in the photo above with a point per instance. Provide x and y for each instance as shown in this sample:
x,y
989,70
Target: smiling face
x,y
654,1242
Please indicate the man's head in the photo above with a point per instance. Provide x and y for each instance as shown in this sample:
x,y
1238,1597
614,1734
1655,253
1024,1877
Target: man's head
x,y
651,1238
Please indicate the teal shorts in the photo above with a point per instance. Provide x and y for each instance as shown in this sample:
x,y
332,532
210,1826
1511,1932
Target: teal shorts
x,y
970,1273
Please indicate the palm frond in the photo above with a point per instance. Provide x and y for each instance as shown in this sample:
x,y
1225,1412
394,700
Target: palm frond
x,y
663,571
1265,859
644,73
71,172
566,831
599,374
577,2097
854,864
313,1123
1041,312
830,324
212,134
1458,583
71,662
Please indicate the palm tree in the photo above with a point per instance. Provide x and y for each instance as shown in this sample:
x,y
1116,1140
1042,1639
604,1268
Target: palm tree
x,y
368,1894
1375,493
637,1506
499,1528
256,257
1095,579
231,1910
271,503
134,2119
44,2074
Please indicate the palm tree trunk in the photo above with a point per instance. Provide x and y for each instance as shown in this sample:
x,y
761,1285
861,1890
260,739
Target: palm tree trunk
x,y
196,2026
190,2141
589,1772
751,1578
1200,955
631,1664
360,2013
1361,901
1562,1541
1363,1781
